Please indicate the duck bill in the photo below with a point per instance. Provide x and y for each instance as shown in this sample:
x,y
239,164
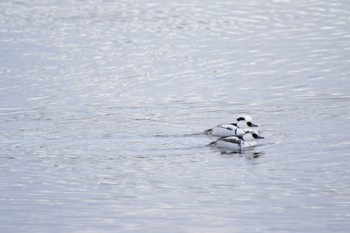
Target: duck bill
x,y
254,125
260,137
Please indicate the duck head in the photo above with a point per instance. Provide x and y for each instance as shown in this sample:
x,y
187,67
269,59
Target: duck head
x,y
245,122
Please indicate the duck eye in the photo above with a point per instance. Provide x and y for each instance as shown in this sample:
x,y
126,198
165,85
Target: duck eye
x,y
249,123
255,135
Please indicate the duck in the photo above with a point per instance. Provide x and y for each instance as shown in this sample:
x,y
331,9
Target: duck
x,y
238,128
237,142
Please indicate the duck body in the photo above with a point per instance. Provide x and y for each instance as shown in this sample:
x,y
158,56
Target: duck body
x,y
225,130
229,142
237,142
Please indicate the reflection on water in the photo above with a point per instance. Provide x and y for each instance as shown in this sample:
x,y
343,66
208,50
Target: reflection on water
x,y
249,155
103,105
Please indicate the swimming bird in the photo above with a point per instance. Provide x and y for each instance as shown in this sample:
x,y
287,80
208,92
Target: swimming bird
x,y
231,129
237,142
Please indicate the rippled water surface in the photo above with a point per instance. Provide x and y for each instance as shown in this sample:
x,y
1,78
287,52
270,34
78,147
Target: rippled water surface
x,y
103,104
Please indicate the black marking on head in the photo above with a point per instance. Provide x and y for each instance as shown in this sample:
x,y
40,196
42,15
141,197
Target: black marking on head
x,y
234,124
228,128
240,119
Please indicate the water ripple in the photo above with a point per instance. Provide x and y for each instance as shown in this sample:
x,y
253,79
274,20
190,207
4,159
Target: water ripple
x,y
102,106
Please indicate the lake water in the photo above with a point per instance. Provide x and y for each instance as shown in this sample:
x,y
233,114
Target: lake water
x,y
102,106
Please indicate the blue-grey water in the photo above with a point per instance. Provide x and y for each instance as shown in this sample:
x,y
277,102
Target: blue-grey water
x,y
102,104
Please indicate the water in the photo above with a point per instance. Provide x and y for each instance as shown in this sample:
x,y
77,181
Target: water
x,y
102,103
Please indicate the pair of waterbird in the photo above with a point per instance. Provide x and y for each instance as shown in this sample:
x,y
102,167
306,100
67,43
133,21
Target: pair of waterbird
x,y
235,136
